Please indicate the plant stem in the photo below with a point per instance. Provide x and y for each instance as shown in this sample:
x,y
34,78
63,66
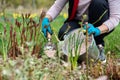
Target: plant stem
x,y
4,53
100,17
87,50
66,31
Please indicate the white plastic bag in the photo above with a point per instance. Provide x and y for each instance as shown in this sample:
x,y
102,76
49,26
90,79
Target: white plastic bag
x,y
76,40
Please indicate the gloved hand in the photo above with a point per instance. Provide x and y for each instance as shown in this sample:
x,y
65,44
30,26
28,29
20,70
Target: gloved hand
x,y
92,30
46,26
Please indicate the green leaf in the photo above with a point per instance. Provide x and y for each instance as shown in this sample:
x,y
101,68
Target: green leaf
x,y
1,27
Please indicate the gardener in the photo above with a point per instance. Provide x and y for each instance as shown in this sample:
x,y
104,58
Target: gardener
x,y
104,16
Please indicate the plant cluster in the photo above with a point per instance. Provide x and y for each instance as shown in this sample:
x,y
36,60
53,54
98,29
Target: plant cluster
x,y
22,36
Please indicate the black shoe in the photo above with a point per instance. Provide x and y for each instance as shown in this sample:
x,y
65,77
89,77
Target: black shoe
x,y
102,56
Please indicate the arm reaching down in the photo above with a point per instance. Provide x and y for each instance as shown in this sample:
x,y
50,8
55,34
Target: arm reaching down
x,y
56,8
114,19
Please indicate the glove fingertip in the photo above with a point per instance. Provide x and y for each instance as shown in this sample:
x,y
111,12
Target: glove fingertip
x,y
50,31
45,34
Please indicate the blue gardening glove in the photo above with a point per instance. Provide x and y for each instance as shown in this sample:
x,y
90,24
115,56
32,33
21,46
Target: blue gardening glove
x,y
46,26
93,30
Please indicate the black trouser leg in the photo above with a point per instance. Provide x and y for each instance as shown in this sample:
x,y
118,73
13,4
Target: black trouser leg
x,y
96,9
67,27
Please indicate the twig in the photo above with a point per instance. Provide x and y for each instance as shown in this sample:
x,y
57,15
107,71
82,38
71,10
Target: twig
x,y
68,28
100,17
87,50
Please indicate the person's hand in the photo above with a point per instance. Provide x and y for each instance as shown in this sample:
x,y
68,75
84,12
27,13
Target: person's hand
x,y
46,26
93,30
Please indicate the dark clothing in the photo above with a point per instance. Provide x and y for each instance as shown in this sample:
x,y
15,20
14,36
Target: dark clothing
x,y
96,9
73,4
64,29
